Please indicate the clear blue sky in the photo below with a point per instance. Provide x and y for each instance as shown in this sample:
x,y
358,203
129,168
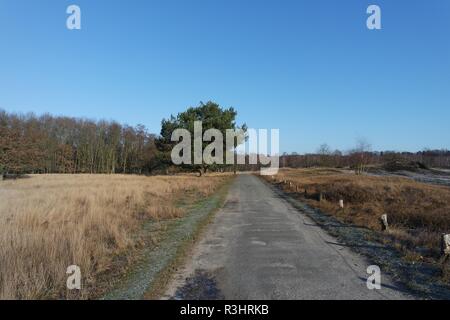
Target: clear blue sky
x,y
310,68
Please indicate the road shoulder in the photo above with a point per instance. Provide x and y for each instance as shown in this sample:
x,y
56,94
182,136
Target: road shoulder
x,y
148,278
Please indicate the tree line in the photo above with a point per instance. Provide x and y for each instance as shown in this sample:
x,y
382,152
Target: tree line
x,y
362,156
49,144
52,144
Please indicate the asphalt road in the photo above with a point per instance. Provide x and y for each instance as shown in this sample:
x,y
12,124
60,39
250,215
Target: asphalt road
x,y
260,247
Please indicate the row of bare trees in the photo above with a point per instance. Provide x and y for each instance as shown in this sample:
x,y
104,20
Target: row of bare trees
x,y
48,144
362,156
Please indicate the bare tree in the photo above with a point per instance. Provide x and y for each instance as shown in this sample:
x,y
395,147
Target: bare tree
x,y
324,152
360,155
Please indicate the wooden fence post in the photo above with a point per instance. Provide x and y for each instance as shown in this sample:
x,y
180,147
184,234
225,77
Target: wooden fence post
x,y
445,244
384,222
320,196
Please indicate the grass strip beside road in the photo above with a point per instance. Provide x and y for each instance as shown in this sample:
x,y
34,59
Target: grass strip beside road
x,y
174,239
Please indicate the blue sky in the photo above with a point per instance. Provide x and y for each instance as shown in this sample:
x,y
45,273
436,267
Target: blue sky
x,y
310,68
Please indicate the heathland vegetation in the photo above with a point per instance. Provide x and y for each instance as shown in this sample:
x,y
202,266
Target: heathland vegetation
x,y
81,192
87,187
49,222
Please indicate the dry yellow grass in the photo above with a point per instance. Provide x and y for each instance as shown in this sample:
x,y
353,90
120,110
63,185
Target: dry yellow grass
x,y
48,222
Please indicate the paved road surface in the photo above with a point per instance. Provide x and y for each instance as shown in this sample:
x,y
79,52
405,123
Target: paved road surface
x,y
260,247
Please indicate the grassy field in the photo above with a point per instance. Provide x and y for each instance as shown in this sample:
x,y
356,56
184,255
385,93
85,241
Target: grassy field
x,y
48,222
418,213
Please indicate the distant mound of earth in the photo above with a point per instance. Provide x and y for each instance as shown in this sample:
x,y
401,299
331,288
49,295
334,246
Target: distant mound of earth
x,y
404,165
